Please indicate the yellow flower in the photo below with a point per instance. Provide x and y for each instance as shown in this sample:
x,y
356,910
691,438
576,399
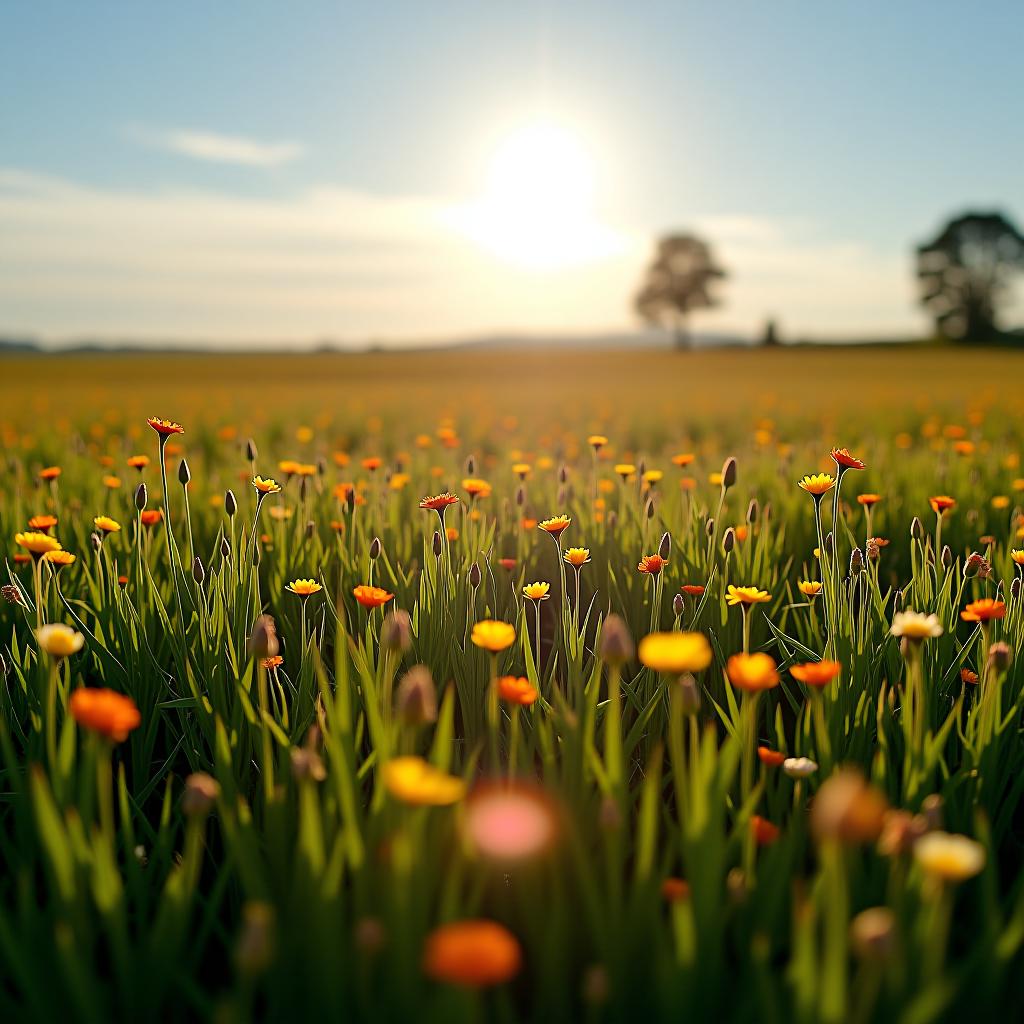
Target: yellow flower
x,y
817,484
59,558
37,543
493,636
653,476
675,653
809,588
113,482
106,524
59,640
304,587
746,595
556,525
268,486
625,469
951,858
1018,556
521,469
915,626
597,440
752,672
577,556
415,781
535,592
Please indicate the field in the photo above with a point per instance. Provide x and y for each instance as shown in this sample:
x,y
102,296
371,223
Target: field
x,y
749,747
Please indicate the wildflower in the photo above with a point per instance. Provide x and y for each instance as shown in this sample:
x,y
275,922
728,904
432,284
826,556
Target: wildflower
x,y
1016,554
201,792
42,524
516,690
59,641
816,673
263,642
597,441
652,564
765,832
508,823
276,661
799,767
472,953
396,631
165,427
50,473
112,482
817,484
139,462
371,597
477,488
625,469
871,933
556,525
914,626
692,589
577,557
521,469
304,588
984,610
867,500
106,524
771,758
968,676
682,459
439,502
941,503
508,564
848,809
674,890
844,460
537,591
492,635
752,672
416,699
653,476
268,486
615,645
417,782
809,588
37,543
61,559
675,653
949,858
746,595
152,516
106,712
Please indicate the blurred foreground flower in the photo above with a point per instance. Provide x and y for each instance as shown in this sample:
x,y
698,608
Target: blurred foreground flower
x,y
472,953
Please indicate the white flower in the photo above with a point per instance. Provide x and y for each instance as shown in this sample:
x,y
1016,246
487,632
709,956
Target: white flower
x,y
799,767
59,640
915,626
951,858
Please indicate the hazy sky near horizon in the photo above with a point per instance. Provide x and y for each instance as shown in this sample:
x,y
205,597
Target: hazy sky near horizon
x,y
294,172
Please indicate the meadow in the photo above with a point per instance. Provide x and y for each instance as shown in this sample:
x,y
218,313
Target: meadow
x,y
512,685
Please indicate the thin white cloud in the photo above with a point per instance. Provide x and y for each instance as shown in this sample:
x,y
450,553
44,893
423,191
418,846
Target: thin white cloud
x,y
221,149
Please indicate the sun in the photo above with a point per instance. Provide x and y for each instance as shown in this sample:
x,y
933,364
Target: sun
x,y
536,210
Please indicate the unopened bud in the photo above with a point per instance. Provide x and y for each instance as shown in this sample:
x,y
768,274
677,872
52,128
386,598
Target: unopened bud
x,y
310,529
141,496
931,811
946,556
307,764
96,541
1000,655
563,474
915,528
470,466
198,573
255,949
474,575
649,508
263,641
872,933
729,540
396,631
230,504
856,561
677,605
520,496
752,510
416,698
375,548
184,475
709,528
250,450
665,547
1015,588
225,547
201,792
688,694
616,645
436,544
728,473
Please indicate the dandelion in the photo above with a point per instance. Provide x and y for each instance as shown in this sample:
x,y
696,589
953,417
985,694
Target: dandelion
x,y
675,653
411,780
472,954
105,712
537,591
371,597
625,470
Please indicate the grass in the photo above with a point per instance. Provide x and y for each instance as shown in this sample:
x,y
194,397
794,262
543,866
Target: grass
x,y
269,840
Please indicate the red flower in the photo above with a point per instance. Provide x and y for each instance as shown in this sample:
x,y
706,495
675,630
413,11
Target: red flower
x,y
652,564
439,502
769,757
165,427
765,833
693,589
845,460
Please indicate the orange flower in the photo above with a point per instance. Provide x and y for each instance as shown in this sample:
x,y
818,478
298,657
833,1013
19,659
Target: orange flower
x,y
652,564
967,676
809,588
472,953
106,712
556,525
765,833
516,690
752,672
274,661
817,484
113,482
151,516
869,499
941,503
845,460
692,589
371,597
42,523
165,427
268,486
984,610
682,459
139,462
769,757
50,473
816,673
577,557
673,890
372,463
438,503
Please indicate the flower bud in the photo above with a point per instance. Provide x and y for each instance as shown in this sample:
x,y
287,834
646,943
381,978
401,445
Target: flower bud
x,y
729,540
977,565
230,504
563,474
184,475
436,544
225,548
1015,588
1000,655
141,496
915,529
665,547
11,594
872,933
310,530
728,473
709,528
616,645
752,510
375,548
96,541
307,764
931,811
856,562
520,496
688,694
416,698
263,641
677,605
304,488
946,556
474,575
396,631
255,949
201,792
847,808
613,519
250,450
470,466
198,573
649,508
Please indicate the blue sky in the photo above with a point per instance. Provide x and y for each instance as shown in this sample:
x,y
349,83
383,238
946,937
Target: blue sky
x,y
270,171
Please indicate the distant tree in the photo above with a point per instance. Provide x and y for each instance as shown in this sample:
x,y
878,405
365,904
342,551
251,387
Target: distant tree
x,y
770,337
966,271
680,279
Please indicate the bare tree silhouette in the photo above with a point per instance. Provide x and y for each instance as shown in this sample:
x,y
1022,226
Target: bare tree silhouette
x,y
966,271
681,278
